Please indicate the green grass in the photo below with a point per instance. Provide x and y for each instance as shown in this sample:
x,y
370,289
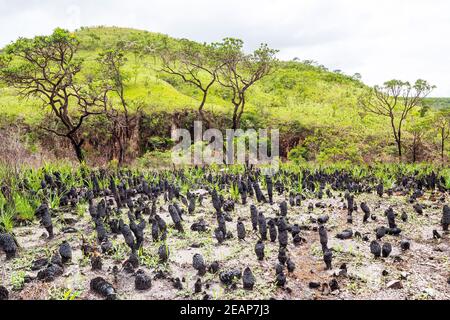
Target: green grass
x,y
55,293
234,192
6,222
24,207
18,280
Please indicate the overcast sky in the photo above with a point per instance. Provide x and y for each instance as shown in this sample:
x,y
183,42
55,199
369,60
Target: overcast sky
x,y
381,39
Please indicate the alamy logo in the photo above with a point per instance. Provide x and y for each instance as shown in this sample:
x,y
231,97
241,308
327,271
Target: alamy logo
x,y
249,147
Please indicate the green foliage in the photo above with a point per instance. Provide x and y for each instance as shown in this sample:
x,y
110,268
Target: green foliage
x,y
6,222
438,103
57,293
159,143
234,192
22,60
24,202
299,97
155,159
340,153
17,280
446,175
81,209
160,93
24,207
53,201
297,154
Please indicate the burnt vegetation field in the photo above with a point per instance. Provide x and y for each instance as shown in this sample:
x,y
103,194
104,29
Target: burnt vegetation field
x,y
93,206
225,233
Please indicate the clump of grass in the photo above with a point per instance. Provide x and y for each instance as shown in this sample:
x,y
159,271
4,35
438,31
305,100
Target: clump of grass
x,y
56,293
54,200
81,209
147,259
18,280
316,251
24,207
6,216
83,261
6,222
2,203
446,175
120,251
234,192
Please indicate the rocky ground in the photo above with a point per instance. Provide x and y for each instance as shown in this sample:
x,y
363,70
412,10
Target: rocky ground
x,y
422,272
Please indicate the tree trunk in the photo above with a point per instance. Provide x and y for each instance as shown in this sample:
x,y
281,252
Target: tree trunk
x,y
77,148
399,148
241,112
442,144
121,156
235,117
203,118
117,138
121,150
397,137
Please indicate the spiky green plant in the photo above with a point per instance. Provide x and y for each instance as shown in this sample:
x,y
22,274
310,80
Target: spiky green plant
x,y
67,294
6,222
81,208
446,175
18,280
24,207
234,192
54,200
2,203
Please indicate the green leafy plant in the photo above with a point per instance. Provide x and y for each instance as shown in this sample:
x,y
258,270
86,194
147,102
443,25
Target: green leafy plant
x,y
24,207
56,293
234,192
18,280
6,222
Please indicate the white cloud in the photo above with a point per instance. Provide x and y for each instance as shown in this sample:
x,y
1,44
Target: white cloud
x,y
381,39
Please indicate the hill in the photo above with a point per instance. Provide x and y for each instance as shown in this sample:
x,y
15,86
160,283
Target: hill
x,y
313,106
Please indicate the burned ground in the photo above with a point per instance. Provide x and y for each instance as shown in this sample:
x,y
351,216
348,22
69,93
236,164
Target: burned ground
x,y
422,272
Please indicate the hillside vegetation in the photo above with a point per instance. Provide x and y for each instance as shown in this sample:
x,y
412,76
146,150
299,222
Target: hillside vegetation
x,y
316,109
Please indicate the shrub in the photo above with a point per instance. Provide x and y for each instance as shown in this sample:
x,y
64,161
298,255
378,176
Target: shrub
x,y
155,159
159,143
297,154
342,154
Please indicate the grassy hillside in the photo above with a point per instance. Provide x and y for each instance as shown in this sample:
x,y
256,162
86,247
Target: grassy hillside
x,y
294,87
317,105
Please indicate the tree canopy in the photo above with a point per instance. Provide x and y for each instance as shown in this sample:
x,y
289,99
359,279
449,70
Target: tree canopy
x,y
46,67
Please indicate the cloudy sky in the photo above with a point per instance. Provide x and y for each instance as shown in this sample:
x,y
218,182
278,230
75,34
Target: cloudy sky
x,y
381,39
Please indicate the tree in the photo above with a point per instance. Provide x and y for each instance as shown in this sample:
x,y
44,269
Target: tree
x,y
140,48
45,67
442,124
113,79
418,128
395,100
357,76
196,64
240,71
